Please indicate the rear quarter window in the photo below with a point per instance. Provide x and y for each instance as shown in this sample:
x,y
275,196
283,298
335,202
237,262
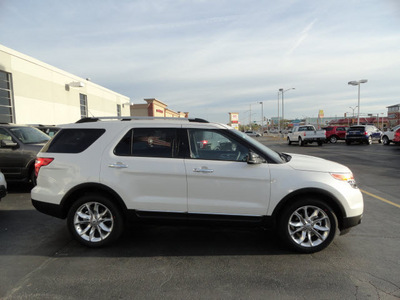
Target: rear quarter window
x,y
73,140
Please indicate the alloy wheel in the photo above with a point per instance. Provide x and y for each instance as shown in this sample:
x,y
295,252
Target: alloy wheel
x,y
309,226
93,222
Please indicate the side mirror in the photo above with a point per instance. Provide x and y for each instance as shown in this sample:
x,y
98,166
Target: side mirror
x,y
8,144
254,158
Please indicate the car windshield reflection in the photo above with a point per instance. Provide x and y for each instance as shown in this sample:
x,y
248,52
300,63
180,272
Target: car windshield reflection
x,y
29,135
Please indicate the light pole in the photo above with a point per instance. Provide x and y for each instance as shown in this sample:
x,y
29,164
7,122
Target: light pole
x,y
283,107
250,118
358,83
262,117
279,123
353,109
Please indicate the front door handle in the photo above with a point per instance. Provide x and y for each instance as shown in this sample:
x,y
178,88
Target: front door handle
x,y
118,165
203,170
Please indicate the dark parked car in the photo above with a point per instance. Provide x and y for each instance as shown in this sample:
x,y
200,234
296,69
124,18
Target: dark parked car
x,y
19,145
363,134
50,130
3,186
335,133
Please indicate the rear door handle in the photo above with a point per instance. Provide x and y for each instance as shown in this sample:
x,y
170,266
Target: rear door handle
x,y
203,170
118,165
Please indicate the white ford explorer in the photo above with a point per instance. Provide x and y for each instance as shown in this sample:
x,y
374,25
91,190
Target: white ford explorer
x,y
98,173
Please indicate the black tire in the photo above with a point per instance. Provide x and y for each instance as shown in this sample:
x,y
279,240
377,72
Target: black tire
x,y
348,142
333,139
289,141
385,140
301,143
369,141
32,177
314,231
320,143
103,221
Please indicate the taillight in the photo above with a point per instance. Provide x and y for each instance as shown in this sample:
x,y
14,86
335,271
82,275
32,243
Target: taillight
x,y
304,134
366,133
40,162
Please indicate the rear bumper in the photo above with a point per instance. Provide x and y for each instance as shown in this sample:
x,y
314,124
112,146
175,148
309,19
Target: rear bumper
x,y
51,209
357,138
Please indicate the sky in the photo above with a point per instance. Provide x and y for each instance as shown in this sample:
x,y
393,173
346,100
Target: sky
x,y
210,58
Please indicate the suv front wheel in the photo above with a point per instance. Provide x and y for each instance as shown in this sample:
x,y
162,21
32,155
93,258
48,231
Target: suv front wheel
x,y
308,225
94,221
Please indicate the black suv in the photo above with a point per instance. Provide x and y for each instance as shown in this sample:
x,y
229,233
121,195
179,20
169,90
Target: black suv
x,y
19,145
363,134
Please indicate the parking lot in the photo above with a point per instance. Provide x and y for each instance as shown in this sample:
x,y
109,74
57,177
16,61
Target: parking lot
x,y
39,260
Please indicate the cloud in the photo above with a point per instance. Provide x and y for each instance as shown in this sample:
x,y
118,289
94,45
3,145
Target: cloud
x,y
213,57
303,35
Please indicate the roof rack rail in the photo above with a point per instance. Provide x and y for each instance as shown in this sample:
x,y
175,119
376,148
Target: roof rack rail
x,y
86,120
129,118
198,120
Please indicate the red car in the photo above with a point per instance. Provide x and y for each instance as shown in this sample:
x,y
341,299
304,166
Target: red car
x,y
335,133
396,138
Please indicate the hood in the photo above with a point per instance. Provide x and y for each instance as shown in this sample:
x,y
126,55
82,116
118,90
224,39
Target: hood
x,y
315,164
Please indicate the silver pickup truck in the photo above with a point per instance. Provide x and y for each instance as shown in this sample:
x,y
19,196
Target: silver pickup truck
x,y
306,134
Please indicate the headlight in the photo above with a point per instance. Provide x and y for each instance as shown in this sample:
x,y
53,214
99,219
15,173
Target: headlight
x,y
348,177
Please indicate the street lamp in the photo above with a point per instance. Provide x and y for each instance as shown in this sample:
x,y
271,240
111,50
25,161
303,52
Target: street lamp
x,y
283,108
358,83
279,123
262,117
353,109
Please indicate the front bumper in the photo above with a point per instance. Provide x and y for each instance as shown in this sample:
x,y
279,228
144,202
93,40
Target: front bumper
x,y
347,223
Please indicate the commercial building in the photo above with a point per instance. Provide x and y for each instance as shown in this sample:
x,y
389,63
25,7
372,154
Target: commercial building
x,y
393,115
155,108
33,92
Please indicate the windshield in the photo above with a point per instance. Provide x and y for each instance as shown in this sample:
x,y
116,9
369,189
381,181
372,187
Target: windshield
x,y
277,157
29,135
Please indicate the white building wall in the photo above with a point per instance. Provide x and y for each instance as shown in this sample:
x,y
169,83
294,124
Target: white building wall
x,y
41,94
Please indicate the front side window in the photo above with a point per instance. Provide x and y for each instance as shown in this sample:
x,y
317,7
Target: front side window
x,y
83,105
4,135
149,142
214,145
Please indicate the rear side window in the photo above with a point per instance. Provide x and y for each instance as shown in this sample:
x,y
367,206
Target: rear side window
x,y
149,142
73,140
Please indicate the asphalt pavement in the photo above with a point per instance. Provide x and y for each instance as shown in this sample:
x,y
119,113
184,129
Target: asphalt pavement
x,y
39,259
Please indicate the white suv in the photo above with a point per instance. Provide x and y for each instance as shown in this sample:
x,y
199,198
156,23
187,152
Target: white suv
x,y
99,173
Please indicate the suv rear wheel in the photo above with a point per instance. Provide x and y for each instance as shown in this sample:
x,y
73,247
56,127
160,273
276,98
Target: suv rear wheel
x,y
333,139
94,221
385,140
308,225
